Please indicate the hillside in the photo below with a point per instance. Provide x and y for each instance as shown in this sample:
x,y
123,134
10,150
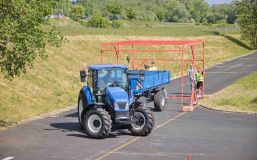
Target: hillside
x,y
54,83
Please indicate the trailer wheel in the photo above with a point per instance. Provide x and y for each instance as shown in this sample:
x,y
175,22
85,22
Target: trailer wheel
x,y
142,122
159,100
97,123
80,109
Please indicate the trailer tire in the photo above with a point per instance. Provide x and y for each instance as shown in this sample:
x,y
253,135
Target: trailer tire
x,y
159,101
97,123
145,122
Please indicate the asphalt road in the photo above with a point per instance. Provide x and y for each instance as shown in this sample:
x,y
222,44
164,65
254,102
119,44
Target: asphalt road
x,y
201,134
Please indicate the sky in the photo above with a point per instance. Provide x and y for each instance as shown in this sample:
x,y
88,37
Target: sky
x,y
211,2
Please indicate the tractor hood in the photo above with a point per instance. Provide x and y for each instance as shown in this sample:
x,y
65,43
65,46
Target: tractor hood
x,y
117,98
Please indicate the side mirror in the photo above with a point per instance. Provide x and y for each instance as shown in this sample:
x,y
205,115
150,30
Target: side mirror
x,y
83,75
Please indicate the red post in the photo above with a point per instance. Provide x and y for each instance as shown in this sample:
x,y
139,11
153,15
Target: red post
x,y
203,70
182,77
189,157
101,55
133,58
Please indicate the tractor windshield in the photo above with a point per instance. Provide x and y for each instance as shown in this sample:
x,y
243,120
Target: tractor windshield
x,y
112,77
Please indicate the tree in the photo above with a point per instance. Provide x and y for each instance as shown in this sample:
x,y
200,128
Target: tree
x,y
222,12
180,14
247,20
113,7
97,21
77,11
131,13
198,9
160,14
24,34
89,6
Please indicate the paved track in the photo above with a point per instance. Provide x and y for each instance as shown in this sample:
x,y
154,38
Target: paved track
x,y
203,134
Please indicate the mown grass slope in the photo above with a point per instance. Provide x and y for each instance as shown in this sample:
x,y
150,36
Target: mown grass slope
x,y
54,83
243,99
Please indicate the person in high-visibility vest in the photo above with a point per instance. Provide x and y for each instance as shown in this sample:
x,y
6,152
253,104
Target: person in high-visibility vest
x,y
199,81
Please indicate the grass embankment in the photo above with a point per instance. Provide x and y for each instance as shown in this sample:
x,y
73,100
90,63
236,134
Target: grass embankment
x,y
144,28
54,83
241,96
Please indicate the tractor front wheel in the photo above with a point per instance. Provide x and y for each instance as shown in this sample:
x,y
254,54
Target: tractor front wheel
x,y
142,122
97,123
80,109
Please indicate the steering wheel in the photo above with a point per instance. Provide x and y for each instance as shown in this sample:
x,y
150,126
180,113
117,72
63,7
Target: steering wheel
x,y
114,84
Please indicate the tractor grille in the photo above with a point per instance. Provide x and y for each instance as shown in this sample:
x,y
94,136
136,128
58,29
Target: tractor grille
x,y
122,105
121,114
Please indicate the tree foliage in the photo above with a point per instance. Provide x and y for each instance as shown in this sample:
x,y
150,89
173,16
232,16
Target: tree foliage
x,y
222,12
163,10
131,13
97,21
247,20
113,7
24,34
198,9
77,11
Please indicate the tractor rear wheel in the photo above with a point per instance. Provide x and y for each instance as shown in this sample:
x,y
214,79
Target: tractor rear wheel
x,y
142,122
97,123
159,100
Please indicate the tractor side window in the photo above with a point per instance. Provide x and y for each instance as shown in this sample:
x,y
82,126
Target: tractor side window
x,y
90,80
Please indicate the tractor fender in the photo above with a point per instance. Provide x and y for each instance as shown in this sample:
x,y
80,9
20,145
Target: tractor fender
x,y
137,104
86,96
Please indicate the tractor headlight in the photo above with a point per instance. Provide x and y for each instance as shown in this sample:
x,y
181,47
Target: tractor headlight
x,y
127,106
116,106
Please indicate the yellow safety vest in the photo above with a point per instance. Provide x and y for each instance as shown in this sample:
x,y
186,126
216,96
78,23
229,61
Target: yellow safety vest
x,y
199,77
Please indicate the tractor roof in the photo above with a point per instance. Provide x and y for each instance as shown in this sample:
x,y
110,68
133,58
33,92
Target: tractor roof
x,y
102,66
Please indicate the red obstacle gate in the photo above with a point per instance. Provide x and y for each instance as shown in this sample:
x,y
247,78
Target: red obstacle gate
x,y
174,55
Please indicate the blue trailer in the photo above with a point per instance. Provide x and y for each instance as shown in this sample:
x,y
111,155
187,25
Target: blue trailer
x,y
115,95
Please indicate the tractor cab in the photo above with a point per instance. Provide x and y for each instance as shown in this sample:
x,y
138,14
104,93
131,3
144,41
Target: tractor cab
x,y
102,76
103,79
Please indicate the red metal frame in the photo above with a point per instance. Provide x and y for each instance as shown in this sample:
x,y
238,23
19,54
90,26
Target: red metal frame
x,y
122,47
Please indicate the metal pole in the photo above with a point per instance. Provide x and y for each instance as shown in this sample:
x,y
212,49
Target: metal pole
x,y
203,72
101,55
133,58
182,78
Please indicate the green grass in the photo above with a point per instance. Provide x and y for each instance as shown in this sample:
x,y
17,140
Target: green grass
x,y
54,84
143,28
243,99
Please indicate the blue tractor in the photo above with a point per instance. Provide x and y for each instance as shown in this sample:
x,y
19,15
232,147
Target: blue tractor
x,y
115,95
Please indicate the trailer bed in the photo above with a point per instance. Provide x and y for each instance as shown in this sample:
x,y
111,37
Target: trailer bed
x,y
144,80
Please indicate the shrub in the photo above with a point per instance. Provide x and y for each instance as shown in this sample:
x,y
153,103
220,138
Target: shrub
x,y
98,22
116,24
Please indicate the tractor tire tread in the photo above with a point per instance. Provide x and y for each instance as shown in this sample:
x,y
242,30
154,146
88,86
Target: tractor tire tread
x,y
148,127
106,120
157,101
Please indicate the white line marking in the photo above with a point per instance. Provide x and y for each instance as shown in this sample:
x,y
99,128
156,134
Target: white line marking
x,y
8,158
132,140
159,154
226,72
233,67
247,65
247,58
